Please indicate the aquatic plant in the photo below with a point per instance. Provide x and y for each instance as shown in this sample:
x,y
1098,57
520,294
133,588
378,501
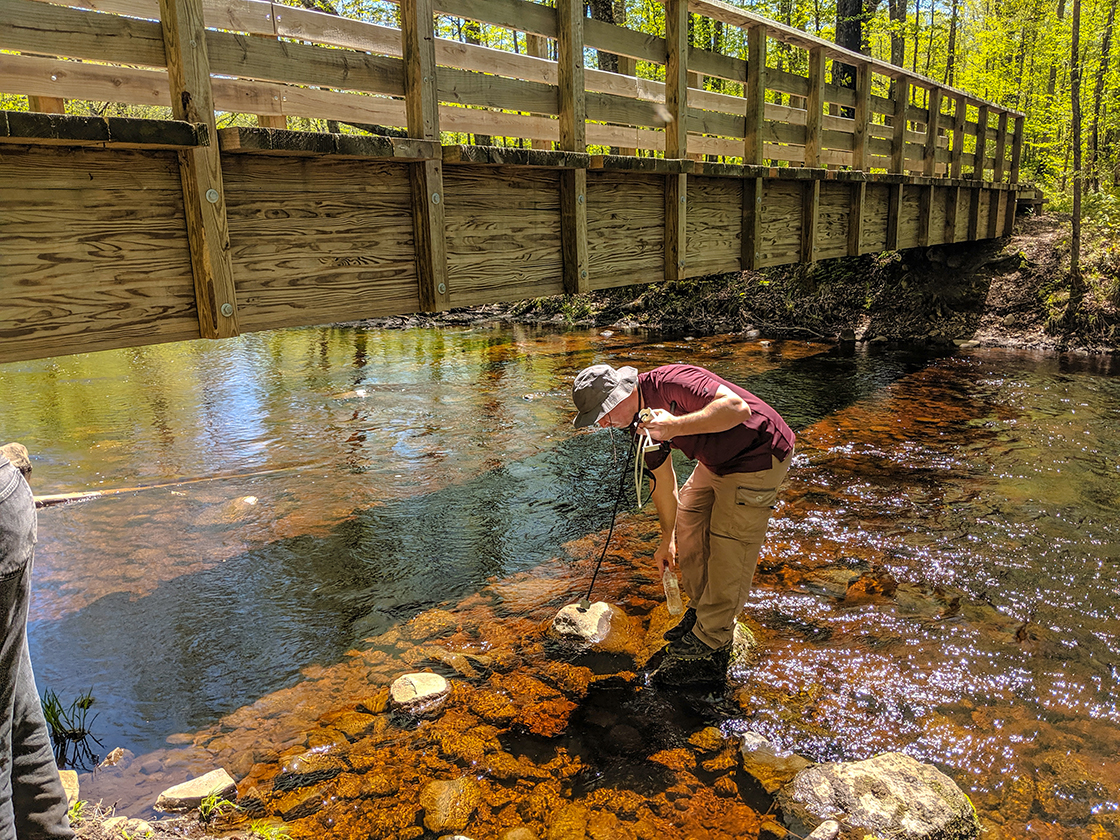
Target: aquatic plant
x,y
214,805
70,730
268,831
75,813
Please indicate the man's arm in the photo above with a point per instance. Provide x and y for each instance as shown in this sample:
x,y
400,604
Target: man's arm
x,y
725,411
665,500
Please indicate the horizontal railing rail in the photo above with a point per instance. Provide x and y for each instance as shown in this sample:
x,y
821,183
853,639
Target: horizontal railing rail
x,y
277,61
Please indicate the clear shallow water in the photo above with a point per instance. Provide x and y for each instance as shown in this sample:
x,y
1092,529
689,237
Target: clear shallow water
x,y
977,496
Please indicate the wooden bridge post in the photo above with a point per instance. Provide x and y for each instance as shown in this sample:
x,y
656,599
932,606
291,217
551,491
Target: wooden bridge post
x,y
537,46
976,194
755,92
960,111
676,136
898,159
1013,177
46,104
425,177
929,166
996,197
814,115
573,138
859,158
200,168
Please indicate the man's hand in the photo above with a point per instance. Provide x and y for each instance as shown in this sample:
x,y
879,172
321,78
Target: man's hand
x,y
661,426
666,554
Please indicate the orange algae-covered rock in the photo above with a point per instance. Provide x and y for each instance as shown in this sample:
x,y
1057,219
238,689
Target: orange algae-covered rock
x,y
431,624
547,719
448,805
376,703
675,759
726,760
462,747
571,679
493,707
603,825
328,737
625,803
569,823
708,739
725,786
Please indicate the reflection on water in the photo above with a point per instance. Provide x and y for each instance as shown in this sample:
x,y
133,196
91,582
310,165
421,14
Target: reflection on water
x,y
940,578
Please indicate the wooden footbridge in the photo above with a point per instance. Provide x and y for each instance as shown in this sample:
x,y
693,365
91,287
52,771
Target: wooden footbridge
x,y
117,232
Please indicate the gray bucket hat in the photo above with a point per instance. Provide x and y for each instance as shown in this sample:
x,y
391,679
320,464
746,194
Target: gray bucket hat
x,y
600,388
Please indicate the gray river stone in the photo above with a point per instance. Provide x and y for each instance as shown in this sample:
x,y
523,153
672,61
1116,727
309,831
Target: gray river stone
x,y
891,795
189,794
591,625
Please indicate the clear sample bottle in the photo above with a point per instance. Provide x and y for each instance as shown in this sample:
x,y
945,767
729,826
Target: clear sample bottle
x,y
672,591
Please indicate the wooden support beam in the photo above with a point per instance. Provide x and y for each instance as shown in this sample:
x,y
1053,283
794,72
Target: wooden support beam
x,y
951,214
993,212
676,218
810,214
898,143
894,211
572,96
46,104
1016,150
573,138
755,92
856,211
537,46
929,157
272,121
752,223
974,213
925,214
573,230
192,100
676,78
1011,205
960,112
1001,148
981,144
426,177
814,109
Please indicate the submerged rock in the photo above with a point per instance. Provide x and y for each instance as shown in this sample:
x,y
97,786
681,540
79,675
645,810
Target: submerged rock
x,y
448,805
419,693
591,625
891,795
765,765
189,794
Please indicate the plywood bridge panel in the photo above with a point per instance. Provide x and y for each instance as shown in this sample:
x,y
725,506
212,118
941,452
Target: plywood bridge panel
x,y
625,228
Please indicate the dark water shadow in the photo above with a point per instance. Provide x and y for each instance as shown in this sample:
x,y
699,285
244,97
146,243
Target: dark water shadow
x,y
205,644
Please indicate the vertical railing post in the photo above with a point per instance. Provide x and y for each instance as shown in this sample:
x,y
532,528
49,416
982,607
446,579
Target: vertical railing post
x,y
573,138
929,166
860,158
753,132
425,177
981,144
1001,148
537,46
676,135
46,104
811,194
1016,149
960,112
898,159
192,100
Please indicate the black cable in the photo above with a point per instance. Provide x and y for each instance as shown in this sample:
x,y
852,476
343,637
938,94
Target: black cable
x,y
630,453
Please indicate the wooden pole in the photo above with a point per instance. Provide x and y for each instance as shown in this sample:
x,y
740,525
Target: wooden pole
x,y
814,106
676,135
537,46
898,160
573,138
425,177
981,143
859,159
1001,148
755,92
200,168
1016,150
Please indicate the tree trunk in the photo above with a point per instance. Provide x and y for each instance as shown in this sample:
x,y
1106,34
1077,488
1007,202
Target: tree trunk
x,y
1076,288
917,34
849,34
951,58
1098,93
898,32
604,10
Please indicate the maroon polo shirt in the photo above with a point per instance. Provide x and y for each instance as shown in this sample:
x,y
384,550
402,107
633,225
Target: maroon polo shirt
x,y
746,447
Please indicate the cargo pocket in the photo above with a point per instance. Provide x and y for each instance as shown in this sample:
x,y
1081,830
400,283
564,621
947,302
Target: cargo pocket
x,y
749,497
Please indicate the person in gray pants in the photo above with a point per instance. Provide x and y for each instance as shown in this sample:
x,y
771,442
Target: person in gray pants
x,y
32,803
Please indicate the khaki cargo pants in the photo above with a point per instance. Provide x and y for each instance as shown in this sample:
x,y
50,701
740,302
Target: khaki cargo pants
x,y
721,524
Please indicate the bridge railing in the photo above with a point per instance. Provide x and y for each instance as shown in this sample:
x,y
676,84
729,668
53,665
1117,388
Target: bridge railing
x,y
278,62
